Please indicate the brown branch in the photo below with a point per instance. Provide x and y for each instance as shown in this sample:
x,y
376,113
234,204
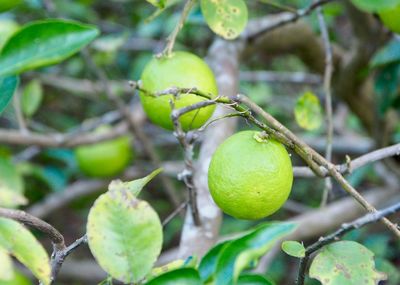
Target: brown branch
x,y
56,238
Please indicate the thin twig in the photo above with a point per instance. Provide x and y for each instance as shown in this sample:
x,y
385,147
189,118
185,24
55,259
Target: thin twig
x,y
174,213
18,112
172,37
56,238
328,99
360,222
286,20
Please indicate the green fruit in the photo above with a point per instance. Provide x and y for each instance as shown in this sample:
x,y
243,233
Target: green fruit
x,y
250,176
106,158
391,18
184,70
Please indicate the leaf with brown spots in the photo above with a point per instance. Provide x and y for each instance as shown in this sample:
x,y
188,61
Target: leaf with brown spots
x,y
345,262
124,235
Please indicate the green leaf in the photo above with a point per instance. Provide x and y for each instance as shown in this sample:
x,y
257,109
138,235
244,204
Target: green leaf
x,y
345,262
18,279
7,28
158,3
294,248
226,18
135,186
208,263
10,177
124,235
21,243
6,5
10,198
31,97
6,266
391,271
253,279
239,253
8,85
183,276
388,54
308,112
43,43
386,87
375,5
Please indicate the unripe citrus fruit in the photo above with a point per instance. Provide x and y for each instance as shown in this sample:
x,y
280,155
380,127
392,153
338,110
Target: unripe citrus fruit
x,y
106,158
183,70
391,18
250,176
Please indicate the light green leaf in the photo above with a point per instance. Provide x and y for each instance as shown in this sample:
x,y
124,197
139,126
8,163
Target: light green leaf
x,y
6,5
183,276
10,198
135,186
253,279
32,97
345,262
375,5
308,112
294,248
239,253
226,18
124,235
43,43
8,85
21,243
6,266
9,176
18,279
158,3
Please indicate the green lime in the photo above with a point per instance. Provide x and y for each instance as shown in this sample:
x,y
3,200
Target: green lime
x,y
391,18
183,70
106,158
250,176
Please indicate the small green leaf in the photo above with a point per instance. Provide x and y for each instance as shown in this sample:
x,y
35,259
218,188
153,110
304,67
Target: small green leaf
x,y
21,243
124,235
375,5
345,262
10,178
183,276
6,266
294,248
43,43
226,18
239,253
8,85
308,111
31,97
156,271
253,279
158,3
10,198
135,186
390,53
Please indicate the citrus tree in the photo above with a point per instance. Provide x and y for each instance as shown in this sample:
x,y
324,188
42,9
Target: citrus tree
x,y
167,142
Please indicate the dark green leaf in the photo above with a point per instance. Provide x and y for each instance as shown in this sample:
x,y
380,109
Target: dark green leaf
x,y
8,85
253,279
387,83
183,276
238,254
208,263
43,43
388,54
8,4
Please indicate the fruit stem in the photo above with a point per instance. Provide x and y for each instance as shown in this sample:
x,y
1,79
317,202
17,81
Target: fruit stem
x,y
172,37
